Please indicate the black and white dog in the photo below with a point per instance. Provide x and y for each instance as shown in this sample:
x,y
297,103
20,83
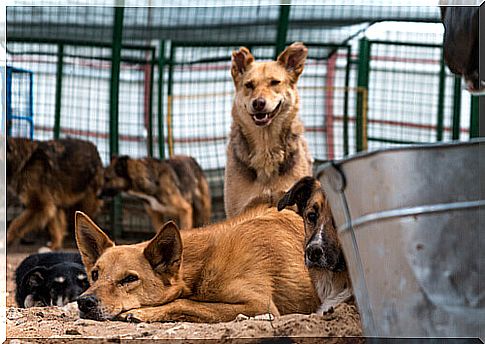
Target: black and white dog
x,y
50,279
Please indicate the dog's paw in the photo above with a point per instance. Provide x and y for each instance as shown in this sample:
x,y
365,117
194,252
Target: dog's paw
x,y
149,314
133,316
130,317
262,317
44,249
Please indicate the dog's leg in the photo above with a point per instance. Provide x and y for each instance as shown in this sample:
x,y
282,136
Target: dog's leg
x,y
334,301
57,229
180,208
185,213
29,220
155,217
195,311
202,205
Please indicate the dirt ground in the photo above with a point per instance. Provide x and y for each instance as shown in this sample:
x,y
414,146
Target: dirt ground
x,y
64,324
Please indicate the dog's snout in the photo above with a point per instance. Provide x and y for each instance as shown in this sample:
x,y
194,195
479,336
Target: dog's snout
x,y
87,303
259,104
314,253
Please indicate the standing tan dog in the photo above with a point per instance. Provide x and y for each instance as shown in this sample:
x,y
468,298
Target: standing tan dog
x,y
251,264
50,177
323,254
175,187
267,152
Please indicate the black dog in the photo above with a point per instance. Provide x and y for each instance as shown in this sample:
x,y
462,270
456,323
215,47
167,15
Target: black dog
x,y
460,44
50,279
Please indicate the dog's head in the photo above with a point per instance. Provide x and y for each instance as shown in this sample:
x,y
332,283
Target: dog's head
x,y
54,286
116,176
322,247
19,152
266,90
129,276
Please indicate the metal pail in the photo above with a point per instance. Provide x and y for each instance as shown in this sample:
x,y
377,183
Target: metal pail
x,y
412,225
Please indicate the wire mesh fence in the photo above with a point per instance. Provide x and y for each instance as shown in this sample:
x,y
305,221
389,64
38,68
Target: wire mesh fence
x,y
19,97
175,92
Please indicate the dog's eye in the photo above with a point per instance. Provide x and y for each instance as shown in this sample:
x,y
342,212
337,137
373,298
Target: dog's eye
x,y
275,82
249,85
312,217
129,279
94,275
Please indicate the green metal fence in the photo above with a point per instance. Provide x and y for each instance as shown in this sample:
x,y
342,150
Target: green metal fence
x,y
159,86
423,105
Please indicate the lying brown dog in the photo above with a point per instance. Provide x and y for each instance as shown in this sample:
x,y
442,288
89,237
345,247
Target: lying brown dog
x,y
176,188
50,177
323,254
267,152
251,264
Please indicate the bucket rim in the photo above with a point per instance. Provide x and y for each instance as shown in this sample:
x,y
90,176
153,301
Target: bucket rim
x,y
411,147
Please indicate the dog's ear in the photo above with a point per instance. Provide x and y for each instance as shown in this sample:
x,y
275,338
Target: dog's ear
x,y
241,59
164,251
35,278
91,240
299,194
293,59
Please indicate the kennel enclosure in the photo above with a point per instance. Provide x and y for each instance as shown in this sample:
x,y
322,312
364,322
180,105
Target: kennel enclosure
x,y
155,81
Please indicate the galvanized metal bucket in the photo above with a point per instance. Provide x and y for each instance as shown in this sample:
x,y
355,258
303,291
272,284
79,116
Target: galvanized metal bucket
x,y
412,225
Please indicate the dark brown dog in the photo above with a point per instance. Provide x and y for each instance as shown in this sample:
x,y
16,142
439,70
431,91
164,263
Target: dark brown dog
x,y
251,264
50,177
460,43
323,254
175,188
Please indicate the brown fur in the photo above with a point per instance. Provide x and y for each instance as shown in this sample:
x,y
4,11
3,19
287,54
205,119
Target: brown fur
x,y
175,188
251,264
265,157
50,177
329,273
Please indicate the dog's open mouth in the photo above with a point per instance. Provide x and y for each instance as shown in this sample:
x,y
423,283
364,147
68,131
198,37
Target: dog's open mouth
x,y
265,118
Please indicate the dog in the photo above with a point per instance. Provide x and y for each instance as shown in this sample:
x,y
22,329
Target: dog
x,y
175,187
267,152
323,254
50,177
460,44
50,279
251,264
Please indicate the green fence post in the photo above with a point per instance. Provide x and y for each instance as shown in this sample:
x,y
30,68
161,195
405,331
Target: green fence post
x,y
58,96
474,118
114,110
441,99
161,135
150,105
346,101
170,101
456,108
362,83
282,27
